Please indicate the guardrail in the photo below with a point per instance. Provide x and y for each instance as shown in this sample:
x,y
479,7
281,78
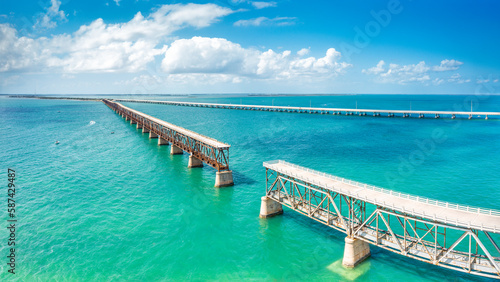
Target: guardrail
x,y
451,206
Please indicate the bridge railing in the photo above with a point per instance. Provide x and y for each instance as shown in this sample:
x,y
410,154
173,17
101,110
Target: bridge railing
x,y
206,149
448,205
357,212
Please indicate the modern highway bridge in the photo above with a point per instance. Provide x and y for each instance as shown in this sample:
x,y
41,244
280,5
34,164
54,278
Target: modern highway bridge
x,y
330,111
202,149
459,237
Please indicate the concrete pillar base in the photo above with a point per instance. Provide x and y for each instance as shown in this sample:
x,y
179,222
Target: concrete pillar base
x,y
162,141
355,251
174,150
145,130
269,208
132,121
194,162
139,125
127,118
224,178
152,135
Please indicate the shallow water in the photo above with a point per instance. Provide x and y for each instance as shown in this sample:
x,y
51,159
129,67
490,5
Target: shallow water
x,y
102,206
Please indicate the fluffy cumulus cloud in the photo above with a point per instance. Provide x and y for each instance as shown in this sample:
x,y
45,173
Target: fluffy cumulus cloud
x,y
101,47
421,72
16,52
202,55
448,65
51,16
303,52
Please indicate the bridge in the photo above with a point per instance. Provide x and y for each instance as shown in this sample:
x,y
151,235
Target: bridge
x,y
326,111
449,235
202,149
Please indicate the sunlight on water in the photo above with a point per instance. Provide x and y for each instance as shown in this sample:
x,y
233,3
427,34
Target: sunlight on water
x,y
108,203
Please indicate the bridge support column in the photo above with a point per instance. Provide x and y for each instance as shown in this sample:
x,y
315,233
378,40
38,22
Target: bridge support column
x,y
355,251
139,125
162,141
194,162
144,129
152,135
132,121
269,208
224,178
174,150
127,118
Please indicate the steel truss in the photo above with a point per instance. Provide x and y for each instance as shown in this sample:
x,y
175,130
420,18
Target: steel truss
x,y
217,157
464,249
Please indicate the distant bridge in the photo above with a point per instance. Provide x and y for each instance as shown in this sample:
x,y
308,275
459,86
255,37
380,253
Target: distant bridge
x,y
459,237
327,111
202,149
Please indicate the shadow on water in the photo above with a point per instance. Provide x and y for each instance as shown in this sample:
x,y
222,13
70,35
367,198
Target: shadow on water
x,y
240,178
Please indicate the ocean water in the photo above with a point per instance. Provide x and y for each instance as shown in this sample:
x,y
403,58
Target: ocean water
x,y
117,207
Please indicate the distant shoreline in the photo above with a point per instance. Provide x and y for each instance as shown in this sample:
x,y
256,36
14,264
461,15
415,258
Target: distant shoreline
x,y
99,97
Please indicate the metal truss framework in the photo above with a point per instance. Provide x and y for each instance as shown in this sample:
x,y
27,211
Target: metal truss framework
x,y
455,247
215,156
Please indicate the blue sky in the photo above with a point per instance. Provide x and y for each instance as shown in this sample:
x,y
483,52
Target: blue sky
x,y
242,46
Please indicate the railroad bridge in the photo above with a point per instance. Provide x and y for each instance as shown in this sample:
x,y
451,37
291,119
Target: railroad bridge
x,y
202,149
458,237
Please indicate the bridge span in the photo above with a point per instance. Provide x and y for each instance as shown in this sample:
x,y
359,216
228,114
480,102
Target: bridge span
x,y
328,111
458,237
202,149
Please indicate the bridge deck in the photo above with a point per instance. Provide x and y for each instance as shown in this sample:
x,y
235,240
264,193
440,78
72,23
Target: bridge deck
x,y
194,135
309,109
461,216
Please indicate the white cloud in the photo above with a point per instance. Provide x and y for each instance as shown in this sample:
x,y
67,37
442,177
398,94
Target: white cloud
x,y
131,46
202,55
51,16
303,52
117,2
262,5
206,55
458,79
421,72
447,65
438,81
16,53
379,68
264,21
101,47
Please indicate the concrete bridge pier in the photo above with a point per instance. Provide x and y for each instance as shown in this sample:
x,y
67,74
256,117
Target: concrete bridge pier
x,y
152,135
224,178
144,129
139,125
162,141
194,162
269,208
127,118
174,150
132,121
355,251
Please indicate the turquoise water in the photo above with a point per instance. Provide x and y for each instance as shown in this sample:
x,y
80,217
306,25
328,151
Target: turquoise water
x,y
102,206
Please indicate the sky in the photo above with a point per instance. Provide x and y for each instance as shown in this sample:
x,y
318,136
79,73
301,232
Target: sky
x,y
243,46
